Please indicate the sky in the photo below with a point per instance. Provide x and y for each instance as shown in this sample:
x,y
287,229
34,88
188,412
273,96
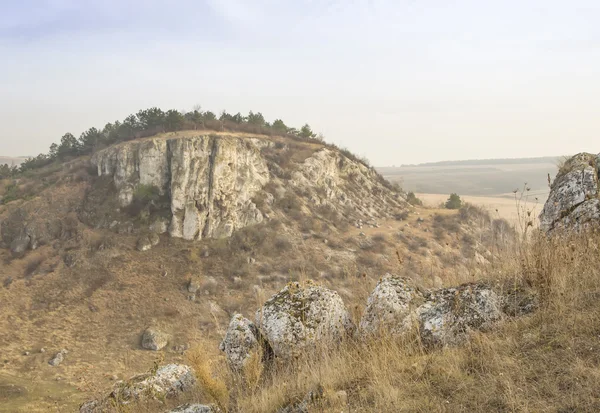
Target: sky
x,y
397,81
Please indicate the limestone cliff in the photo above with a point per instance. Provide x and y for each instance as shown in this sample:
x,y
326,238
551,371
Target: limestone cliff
x,y
209,180
212,181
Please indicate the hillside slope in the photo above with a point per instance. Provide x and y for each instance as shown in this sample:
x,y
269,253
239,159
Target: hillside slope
x,y
178,232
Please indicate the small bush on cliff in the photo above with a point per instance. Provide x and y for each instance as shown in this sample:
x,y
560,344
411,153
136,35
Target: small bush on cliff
x,y
145,197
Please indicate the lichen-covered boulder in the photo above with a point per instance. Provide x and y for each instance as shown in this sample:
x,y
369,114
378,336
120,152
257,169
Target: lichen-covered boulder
x,y
167,381
300,316
240,341
391,305
572,201
154,339
449,314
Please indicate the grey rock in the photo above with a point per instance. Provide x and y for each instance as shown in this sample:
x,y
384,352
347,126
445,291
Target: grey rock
x,y
302,316
154,339
240,342
58,358
154,239
143,244
450,313
443,316
572,201
391,306
166,382
194,408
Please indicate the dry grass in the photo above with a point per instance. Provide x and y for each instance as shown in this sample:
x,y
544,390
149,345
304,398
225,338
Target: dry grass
x,y
546,361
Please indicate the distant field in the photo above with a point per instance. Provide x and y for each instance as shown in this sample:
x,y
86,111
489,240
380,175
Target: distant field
x,y
481,178
502,206
11,160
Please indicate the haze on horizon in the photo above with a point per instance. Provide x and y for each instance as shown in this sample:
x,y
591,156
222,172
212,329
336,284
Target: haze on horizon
x,y
400,82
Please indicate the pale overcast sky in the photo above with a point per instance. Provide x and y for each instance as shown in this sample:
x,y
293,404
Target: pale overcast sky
x,y
398,81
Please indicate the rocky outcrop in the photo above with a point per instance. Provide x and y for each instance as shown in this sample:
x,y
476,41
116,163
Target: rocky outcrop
x,y
442,317
213,181
209,180
240,342
328,177
573,200
167,381
301,316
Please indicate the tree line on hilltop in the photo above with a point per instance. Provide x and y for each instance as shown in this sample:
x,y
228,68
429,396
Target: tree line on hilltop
x,y
152,121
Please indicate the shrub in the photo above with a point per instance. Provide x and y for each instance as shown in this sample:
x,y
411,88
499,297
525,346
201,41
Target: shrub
x,y
413,200
453,202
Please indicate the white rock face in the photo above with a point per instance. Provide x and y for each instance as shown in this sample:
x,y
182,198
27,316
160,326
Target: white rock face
x,y
300,316
240,342
167,381
573,199
390,307
210,180
443,316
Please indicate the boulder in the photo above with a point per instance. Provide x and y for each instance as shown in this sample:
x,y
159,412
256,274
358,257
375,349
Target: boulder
x,y
450,313
167,381
443,316
143,244
240,342
154,339
300,316
194,408
391,306
154,239
58,358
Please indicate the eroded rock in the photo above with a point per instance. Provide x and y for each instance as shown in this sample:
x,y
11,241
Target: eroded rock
x,y
240,342
573,198
167,381
443,316
391,306
450,313
302,315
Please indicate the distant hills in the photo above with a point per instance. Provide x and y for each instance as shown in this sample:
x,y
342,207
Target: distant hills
x,y
499,161
483,177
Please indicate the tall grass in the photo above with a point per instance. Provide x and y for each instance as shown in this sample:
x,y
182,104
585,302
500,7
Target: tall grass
x,y
547,360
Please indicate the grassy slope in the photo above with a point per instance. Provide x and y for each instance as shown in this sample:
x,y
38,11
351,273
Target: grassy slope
x,y
547,361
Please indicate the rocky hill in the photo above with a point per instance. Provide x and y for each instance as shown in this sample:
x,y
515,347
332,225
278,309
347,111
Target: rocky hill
x,y
153,244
